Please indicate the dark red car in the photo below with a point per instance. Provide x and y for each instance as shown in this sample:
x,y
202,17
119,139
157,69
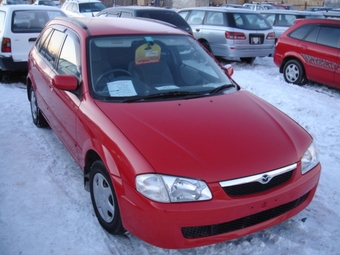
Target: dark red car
x,y
309,50
172,149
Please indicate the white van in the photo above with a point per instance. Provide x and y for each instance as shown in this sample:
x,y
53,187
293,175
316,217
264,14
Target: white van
x,y
20,25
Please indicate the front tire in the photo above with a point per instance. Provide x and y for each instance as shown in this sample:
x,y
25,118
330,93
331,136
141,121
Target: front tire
x,y
293,72
104,199
37,117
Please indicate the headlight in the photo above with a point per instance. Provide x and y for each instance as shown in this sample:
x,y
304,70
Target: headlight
x,y
168,189
309,159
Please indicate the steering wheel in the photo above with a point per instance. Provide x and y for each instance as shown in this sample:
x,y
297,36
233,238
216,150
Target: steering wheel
x,y
107,74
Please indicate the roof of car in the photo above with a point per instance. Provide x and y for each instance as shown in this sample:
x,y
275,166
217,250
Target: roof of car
x,y
219,9
28,7
293,12
319,21
137,8
103,26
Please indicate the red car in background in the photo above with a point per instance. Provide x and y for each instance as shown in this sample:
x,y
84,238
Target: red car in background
x,y
172,149
309,50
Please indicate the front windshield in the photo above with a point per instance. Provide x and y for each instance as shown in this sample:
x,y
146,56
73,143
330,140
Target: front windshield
x,y
140,67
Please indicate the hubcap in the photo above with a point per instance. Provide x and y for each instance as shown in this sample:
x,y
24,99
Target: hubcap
x,y
292,73
103,197
34,108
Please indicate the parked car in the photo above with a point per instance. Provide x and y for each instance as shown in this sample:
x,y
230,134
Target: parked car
x,y
166,15
20,26
172,149
82,8
281,20
231,32
283,6
258,6
309,50
12,2
319,8
45,2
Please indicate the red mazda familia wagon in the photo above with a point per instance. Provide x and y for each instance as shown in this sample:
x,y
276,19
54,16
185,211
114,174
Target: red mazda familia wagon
x,y
172,148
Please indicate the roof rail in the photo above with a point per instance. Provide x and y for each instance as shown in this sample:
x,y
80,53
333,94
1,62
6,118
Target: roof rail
x,y
74,21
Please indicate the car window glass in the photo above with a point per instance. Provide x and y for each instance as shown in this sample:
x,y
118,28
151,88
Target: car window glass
x,y
140,66
42,42
301,32
69,60
250,21
54,46
32,21
270,18
126,14
183,14
214,18
286,19
2,20
329,36
312,35
91,7
196,17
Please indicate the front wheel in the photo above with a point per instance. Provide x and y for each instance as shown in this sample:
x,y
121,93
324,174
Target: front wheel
x,y
104,199
293,72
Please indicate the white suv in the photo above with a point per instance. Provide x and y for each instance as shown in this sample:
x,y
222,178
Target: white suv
x,y
81,8
20,25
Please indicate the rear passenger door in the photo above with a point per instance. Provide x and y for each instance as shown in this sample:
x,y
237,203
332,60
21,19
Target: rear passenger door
x,y
195,20
320,51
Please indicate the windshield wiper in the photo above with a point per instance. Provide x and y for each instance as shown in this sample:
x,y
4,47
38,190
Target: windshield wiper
x,y
170,94
220,88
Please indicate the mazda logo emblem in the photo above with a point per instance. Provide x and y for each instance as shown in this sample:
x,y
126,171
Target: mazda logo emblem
x,y
265,179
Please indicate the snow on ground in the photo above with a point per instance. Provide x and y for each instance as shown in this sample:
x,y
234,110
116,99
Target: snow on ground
x,y
44,208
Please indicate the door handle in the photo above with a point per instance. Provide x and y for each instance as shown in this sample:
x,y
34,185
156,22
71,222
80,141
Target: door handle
x,y
197,29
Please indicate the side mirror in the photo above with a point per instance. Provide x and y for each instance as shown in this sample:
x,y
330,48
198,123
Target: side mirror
x,y
229,69
65,82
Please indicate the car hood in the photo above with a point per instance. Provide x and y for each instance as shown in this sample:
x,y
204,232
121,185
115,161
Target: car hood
x,y
211,138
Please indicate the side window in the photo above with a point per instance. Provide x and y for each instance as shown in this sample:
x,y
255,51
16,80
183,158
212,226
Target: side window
x,y
214,18
41,43
270,18
312,35
196,17
329,36
69,60
2,20
285,20
301,32
53,47
126,14
184,14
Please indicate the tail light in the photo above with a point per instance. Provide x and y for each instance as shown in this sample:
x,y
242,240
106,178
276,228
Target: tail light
x,y
235,35
271,36
6,45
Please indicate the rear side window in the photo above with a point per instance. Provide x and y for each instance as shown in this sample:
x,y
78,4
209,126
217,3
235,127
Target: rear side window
x,y
91,7
329,36
215,18
301,32
2,20
249,21
29,21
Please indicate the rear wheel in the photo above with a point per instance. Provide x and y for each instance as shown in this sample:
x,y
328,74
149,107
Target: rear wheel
x,y
248,60
104,199
206,45
293,72
37,117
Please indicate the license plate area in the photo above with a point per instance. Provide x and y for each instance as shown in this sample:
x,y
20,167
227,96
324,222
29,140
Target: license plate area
x,y
256,38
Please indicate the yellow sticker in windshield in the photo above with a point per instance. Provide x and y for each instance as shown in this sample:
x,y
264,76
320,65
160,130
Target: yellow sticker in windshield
x,y
147,53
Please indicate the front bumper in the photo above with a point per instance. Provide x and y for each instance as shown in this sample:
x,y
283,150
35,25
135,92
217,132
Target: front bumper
x,y
187,225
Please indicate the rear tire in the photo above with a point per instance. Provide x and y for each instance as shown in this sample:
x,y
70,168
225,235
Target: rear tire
x,y
104,199
293,72
206,45
37,117
248,60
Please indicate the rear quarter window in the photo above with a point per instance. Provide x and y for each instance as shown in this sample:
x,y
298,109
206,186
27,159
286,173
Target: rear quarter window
x,y
302,31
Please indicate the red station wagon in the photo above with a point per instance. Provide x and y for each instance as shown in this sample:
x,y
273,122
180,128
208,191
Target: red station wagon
x,y
172,149
309,50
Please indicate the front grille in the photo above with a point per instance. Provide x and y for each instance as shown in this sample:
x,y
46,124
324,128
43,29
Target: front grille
x,y
248,221
256,187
